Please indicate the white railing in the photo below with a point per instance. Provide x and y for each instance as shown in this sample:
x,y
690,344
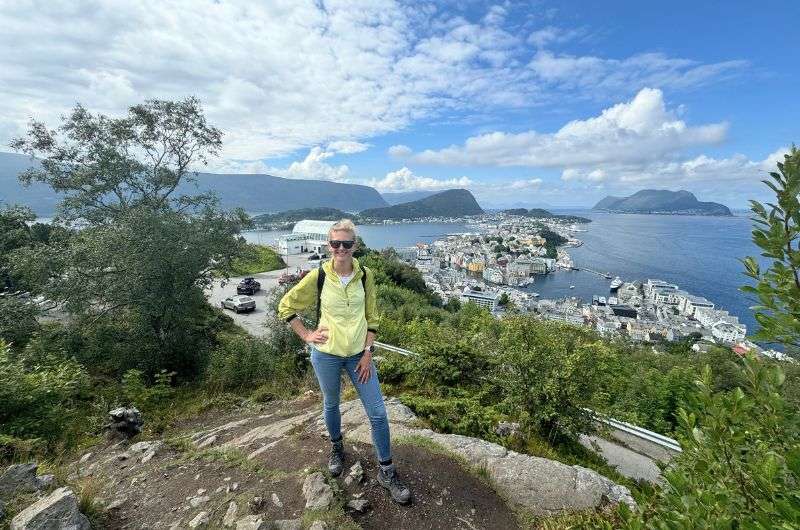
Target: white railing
x,y
634,430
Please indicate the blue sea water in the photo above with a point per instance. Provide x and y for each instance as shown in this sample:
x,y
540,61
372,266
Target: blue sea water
x,y
699,254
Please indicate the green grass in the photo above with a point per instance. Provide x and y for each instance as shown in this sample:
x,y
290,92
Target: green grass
x,y
261,259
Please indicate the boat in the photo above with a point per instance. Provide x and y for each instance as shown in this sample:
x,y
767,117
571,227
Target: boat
x,y
616,283
535,295
601,300
571,286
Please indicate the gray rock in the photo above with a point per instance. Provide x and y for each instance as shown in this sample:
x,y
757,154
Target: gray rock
x,y
126,421
45,481
19,478
116,503
59,510
317,492
359,505
356,474
251,522
207,441
199,521
286,524
197,501
318,525
506,428
2,509
276,500
230,516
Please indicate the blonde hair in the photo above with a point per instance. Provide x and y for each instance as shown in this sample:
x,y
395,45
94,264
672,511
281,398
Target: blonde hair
x,y
344,225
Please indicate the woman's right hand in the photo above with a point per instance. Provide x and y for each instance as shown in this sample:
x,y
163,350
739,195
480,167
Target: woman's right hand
x,y
318,336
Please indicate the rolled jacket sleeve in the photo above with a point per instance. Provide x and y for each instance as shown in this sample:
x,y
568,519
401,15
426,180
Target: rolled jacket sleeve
x,y
370,304
300,297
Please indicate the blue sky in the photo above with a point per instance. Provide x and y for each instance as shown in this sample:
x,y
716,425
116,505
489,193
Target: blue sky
x,y
524,103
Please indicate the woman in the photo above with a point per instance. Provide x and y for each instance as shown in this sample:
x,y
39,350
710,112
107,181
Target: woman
x,y
343,340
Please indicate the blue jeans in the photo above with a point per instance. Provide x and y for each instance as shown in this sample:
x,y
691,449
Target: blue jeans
x,y
328,369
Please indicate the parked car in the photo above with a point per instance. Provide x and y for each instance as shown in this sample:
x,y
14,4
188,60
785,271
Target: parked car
x,y
248,286
239,303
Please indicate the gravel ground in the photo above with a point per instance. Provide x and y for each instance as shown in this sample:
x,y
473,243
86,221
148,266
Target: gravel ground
x,y
253,322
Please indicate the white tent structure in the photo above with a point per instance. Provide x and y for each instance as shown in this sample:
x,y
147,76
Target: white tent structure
x,y
307,235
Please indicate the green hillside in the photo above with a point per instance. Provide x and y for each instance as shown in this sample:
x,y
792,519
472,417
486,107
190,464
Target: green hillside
x,y
450,203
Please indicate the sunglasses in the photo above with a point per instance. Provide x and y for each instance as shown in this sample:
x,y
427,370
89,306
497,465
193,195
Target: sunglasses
x,y
346,244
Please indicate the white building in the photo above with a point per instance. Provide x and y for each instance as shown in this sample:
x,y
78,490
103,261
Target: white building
x,y
482,298
307,236
728,332
494,275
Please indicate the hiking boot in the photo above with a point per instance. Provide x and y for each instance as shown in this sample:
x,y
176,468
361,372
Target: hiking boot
x,y
336,460
397,488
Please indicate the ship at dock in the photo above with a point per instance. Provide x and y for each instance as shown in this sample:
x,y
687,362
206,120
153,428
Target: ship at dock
x,y
616,283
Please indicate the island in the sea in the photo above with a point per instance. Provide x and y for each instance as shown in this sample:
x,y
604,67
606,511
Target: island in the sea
x,y
661,202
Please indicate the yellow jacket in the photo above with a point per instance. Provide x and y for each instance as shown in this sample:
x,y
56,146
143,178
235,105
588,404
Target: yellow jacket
x,y
346,311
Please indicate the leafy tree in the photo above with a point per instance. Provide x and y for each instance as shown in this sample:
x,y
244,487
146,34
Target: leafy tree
x,y
740,464
15,232
148,248
503,300
777,233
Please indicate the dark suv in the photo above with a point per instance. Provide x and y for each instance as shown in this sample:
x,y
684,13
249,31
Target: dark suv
x,y
248,286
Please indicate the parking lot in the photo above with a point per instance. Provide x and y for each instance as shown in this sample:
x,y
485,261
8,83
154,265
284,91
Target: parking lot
x,y
253,322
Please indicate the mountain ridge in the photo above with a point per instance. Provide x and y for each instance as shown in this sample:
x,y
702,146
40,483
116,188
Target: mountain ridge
x,y
651,201
448,203
252,192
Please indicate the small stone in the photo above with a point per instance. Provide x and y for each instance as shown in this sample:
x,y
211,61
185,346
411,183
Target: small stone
x,y
230,516
287,524
234,486
255,504
251,522
276,500
57,510
116,503
200,520
84,458
219,489
472,511
201,491
197,477
197,501
226,479
359,505
438,502
317,492
46,481
318,525
206,442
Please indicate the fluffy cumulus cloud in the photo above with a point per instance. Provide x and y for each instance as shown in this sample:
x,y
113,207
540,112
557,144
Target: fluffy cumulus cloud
x,y
638,130
287,75
405,180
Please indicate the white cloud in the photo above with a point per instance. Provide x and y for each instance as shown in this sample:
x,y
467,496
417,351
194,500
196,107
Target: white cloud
x,y
405,180
584,74
291,74
553,35
523,184
639,130
700,172
347,147
400,151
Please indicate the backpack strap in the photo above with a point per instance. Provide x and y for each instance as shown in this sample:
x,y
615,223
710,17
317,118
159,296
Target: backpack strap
x,y
320,284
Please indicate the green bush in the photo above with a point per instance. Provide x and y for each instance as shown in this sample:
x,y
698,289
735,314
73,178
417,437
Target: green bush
x,y
740,464
136,392
255,259
241,362
43,400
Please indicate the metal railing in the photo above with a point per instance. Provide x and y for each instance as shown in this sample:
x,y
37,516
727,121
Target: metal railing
x,y
634,430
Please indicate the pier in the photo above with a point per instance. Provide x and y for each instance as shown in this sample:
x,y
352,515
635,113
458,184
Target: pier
x,y
605,275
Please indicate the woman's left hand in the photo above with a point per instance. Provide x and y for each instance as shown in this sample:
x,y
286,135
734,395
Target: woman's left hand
x,y
364,368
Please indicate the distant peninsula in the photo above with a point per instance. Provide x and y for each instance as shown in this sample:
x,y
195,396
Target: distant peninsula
x,y
546,214
449,203
662,202
293,216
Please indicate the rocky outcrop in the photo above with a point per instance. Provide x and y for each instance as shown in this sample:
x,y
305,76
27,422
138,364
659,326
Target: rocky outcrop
x,y
540,485
59,510
21,478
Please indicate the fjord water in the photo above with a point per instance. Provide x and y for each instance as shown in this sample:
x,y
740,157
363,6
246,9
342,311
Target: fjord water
x,y
699,254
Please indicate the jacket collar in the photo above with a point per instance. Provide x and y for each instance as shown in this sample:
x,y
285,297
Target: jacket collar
x,y
328,268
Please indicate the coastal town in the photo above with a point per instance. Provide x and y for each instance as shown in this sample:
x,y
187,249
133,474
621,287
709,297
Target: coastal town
x,y
496,266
